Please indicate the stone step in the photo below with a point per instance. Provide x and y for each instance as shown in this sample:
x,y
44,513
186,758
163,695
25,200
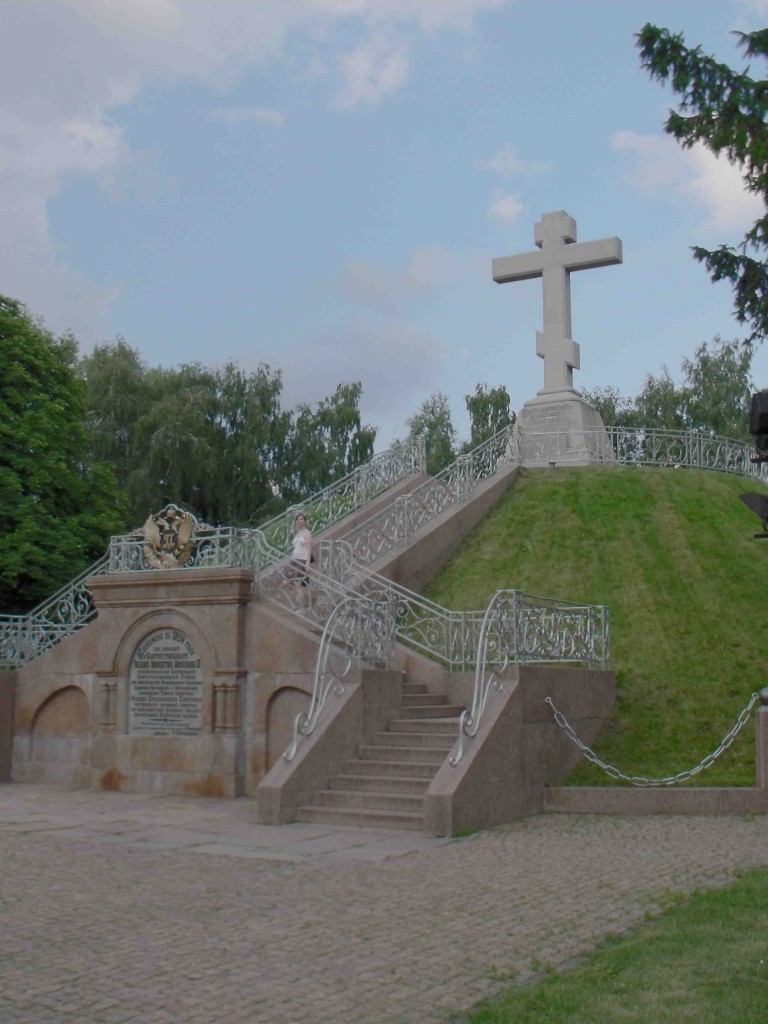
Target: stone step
x,y
432,711
402,755
443,740
413,688
396,769
369,801
361,818
410,700
381,783
424,725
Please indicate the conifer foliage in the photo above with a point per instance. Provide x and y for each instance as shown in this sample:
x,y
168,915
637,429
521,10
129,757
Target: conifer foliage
x,y
725,110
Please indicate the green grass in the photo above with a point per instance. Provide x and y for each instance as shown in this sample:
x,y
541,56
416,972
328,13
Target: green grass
x,y
672,555
705,962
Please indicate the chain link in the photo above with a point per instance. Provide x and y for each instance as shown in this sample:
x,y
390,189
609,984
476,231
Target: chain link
x,y
669,780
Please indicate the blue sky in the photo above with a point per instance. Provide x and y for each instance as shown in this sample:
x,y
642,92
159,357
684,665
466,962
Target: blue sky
x,y
321,185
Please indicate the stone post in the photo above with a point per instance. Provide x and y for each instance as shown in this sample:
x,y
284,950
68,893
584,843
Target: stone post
x,y
761,748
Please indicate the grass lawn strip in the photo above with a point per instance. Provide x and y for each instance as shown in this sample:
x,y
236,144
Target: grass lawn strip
x,y
703,962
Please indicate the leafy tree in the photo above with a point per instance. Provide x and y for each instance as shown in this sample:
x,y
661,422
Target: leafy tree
x,y
327,442
718,389
660,403
59,508
726,111
117,396
432,421
615,410
210,440
714,396
488,410
173,443
252,434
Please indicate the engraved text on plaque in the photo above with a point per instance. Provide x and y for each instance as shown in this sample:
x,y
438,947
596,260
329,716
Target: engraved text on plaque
x,y
165,689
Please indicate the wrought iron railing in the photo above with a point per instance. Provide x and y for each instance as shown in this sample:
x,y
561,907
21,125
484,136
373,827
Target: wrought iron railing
x,y
545,629
637,446
23,637
519,628
396,524
451,637
494,633
358,628
350,493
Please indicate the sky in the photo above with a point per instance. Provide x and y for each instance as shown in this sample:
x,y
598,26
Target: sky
x,y
321,185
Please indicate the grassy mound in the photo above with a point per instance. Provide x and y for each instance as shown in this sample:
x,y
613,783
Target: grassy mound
x,y
672,555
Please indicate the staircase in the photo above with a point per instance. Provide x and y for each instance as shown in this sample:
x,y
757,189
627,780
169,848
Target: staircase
x,y
384,785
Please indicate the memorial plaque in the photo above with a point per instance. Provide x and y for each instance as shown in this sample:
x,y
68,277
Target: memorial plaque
x,y
165,687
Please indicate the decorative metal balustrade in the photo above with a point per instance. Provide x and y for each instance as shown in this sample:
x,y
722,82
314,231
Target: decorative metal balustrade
x,y
519,628
357,628
542,630
638,446
399,522
450,637
24,637
350,493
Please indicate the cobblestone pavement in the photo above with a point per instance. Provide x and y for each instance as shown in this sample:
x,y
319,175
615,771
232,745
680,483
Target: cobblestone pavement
x,y
159,910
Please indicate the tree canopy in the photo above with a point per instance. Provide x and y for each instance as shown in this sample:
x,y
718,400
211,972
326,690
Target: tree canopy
x,y
713,397
489,413
59,505
432,421
725,110
216,440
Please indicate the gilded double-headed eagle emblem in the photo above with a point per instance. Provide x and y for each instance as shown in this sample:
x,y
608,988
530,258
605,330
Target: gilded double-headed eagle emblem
x,y
169,537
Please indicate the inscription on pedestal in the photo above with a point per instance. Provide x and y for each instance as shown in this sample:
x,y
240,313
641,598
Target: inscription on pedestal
x,y
165,687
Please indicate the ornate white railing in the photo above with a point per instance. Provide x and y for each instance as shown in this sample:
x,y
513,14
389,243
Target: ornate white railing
x,y
637,446
543,629
519,628
494,633
350,493
358,628
396,524
452,637
23,637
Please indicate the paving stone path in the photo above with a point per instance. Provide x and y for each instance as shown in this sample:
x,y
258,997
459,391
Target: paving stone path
x,y
118,908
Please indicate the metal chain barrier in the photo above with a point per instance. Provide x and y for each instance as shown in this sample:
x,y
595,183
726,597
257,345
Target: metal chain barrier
x,y
669,780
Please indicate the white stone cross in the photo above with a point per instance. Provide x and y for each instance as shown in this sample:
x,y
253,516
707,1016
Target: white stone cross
x,y
555,235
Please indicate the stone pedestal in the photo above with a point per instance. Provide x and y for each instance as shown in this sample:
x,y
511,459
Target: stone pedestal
x,y
558,428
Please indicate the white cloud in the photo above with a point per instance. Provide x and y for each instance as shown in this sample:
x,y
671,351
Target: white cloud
x,y
712,184
758,7
69,69
247,116
393,289
429,13
507,163
372,72
506,209
395,362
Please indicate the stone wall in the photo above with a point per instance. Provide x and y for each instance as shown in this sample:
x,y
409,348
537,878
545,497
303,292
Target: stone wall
x,y
7,693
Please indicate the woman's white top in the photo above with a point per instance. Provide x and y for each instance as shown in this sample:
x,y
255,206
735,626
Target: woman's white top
x,y
302,545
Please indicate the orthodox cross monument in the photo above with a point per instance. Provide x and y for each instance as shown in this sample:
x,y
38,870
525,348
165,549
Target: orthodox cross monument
x,y
558,409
